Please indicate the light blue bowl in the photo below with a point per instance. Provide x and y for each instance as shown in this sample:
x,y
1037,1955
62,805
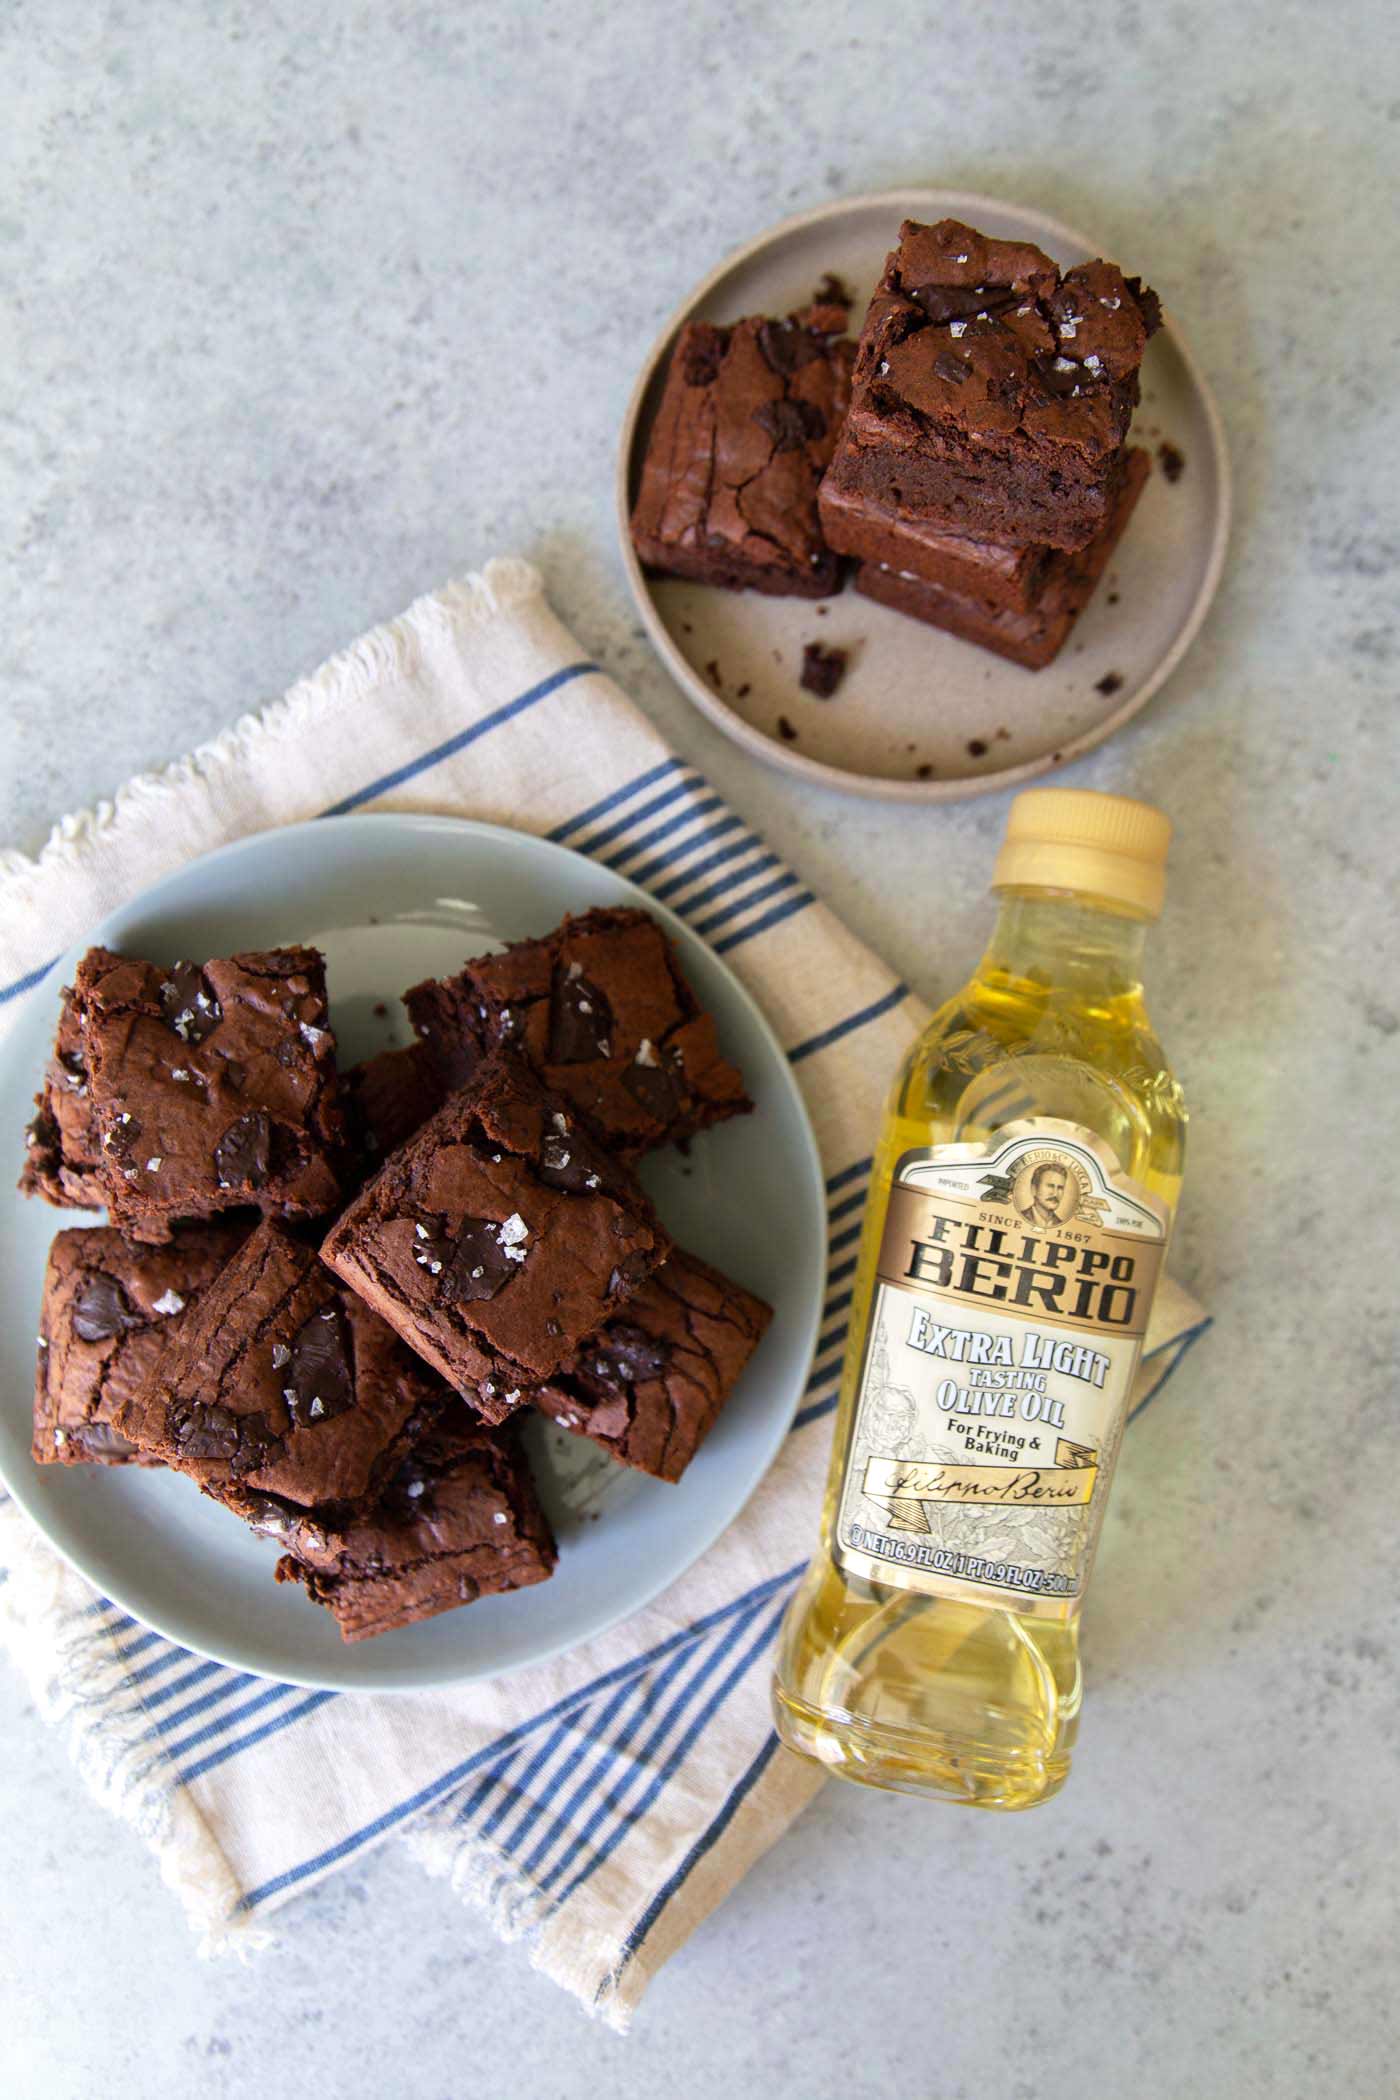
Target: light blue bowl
x,y
392,899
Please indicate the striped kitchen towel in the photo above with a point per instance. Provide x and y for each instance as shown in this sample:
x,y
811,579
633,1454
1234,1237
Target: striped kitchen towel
x,y
600,1805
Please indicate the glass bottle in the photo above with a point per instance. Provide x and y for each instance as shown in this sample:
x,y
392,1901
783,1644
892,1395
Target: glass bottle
x,y
1020,1203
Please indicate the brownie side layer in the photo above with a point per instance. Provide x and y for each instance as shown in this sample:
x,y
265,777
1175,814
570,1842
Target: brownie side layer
x,y
603,1012
212,1086
459,1520
748,420
63,1159
283,1385
991,396
1034,638
649,1387
498,1238
868,531
112,1309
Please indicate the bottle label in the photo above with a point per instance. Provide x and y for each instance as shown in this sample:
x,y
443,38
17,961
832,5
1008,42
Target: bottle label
x,y
1011,1294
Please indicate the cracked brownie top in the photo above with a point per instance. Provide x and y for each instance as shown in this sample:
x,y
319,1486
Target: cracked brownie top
x,y
987,336
459,1519
499,1237
282,1385
748,421
649,1386
603,1012
112,1308
211,1086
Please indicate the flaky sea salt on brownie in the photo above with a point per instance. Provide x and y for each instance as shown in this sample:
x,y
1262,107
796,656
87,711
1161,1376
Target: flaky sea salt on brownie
x,y
992,395
459,1520
63,1160
112,1308
498,1238
746,427
212,1086
603,1012
648,1388
283,1387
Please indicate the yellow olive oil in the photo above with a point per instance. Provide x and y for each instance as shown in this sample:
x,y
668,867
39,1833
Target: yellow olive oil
x,y
1020,1204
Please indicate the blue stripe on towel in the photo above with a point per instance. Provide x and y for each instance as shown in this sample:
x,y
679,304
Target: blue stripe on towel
x,y
703,1665
768,1626
451,745
838,1029
444,1783
613,801
772,918
708,1839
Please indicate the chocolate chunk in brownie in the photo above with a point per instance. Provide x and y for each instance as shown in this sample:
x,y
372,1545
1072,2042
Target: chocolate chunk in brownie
x,y
112,1308
499,1237
992,395
747,424
283,1387
212,1085
1032,638
458,1520
385,1100
603,1012
648,1388
63,1159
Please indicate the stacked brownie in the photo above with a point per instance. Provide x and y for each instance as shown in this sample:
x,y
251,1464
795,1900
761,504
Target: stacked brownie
x,y
968,456
982,478
329,1299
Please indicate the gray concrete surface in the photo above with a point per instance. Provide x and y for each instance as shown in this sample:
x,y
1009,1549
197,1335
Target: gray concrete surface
x,y
306,307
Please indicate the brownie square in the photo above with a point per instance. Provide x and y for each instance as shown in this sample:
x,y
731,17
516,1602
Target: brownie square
x,y
211,1087
648,1388
459,1520
1034,636
284,1388
63,1160
603,1012
112,1309
498,1238
992,395
747,425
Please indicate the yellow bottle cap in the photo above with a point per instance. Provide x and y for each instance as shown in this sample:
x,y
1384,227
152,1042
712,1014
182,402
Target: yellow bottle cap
x,y
1074,839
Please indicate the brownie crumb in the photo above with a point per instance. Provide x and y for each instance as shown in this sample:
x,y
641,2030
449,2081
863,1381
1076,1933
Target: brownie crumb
x,y
976,748
686,627
821,612
786,730
924,772
1110,683
1112,598
831,292
822,670
1173,460
712,673
1003,736
743,691
380,1009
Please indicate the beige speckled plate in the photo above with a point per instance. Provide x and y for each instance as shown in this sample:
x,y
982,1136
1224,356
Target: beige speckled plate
x,y
912,696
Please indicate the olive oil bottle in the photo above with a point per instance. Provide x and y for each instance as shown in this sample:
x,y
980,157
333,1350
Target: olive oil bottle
x,y
1021,1200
